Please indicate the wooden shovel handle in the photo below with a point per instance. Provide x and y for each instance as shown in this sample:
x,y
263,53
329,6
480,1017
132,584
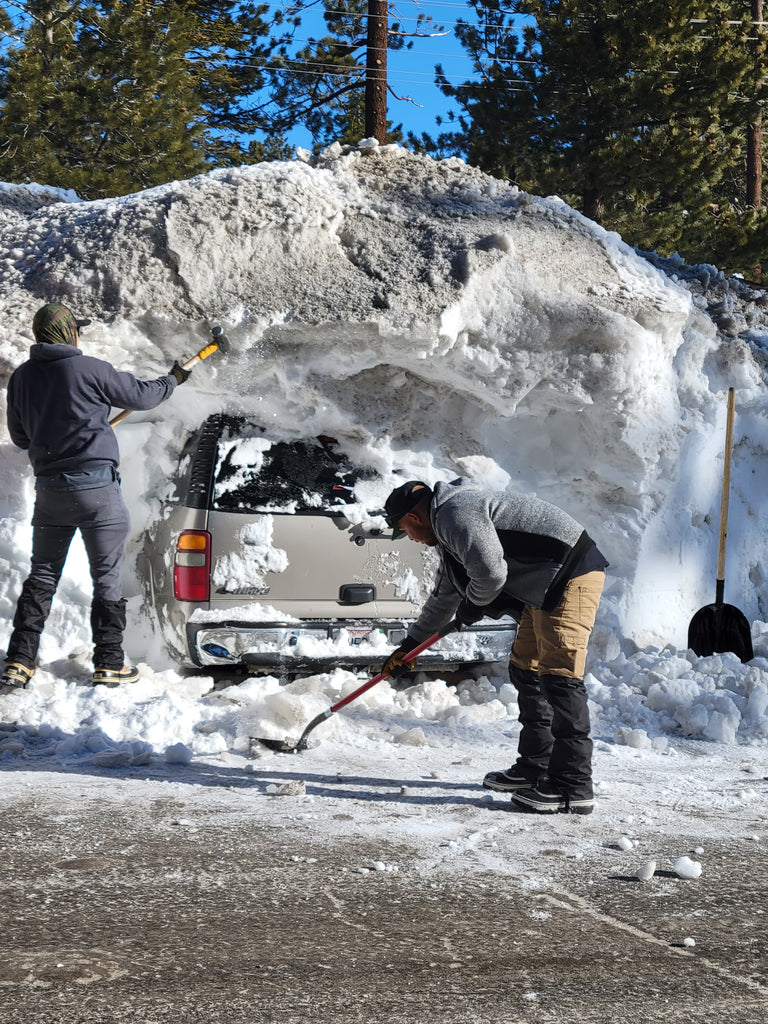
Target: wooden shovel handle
x,y
202,354
120,417
726,487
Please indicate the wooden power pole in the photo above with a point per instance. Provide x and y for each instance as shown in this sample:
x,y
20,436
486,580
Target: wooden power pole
x,y
376,71
755,134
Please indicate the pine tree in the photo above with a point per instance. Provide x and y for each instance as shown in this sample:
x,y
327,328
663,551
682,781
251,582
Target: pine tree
x,y
108,98
637,117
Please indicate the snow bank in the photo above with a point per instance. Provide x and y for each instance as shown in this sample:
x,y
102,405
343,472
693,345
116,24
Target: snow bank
x,y
439,322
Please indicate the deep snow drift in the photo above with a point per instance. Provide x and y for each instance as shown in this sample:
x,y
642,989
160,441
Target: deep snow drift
x,y
444,324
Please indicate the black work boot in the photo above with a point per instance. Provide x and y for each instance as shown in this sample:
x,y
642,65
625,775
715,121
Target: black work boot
x,y
114,676
506,781
544,798
15,676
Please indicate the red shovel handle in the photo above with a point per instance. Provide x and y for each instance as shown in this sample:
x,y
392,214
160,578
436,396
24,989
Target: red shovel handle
x,y
286,747
412,655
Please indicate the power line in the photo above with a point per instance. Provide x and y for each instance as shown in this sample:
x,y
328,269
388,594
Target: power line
x,y
320,69
341,12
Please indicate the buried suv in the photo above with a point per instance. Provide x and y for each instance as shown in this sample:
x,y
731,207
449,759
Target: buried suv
x,y
267,559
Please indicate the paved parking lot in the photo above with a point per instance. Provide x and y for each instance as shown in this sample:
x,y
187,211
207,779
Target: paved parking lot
x,y
117,912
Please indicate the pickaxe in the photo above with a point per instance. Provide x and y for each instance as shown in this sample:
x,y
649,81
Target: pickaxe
x,y
219,343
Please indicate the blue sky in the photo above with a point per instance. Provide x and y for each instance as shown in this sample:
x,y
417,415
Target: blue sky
x,y
411,73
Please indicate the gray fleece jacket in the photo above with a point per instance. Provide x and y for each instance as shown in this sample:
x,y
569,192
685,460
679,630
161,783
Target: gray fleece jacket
x,y
501,551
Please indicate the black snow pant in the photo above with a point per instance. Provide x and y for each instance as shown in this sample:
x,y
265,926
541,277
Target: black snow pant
x,y
102,518
554,745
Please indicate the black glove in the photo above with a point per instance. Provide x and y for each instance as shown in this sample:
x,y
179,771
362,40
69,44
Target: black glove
x,y
397,664
467,613
179,373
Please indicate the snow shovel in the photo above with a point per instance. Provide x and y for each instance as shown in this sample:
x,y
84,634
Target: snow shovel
x,y
286,747
719,627
219,343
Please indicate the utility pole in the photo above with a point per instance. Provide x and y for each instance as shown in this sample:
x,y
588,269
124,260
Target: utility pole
x,y
376,71
755,131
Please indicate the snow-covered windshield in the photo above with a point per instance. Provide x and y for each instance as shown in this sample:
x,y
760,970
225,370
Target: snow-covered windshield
x,y
255,474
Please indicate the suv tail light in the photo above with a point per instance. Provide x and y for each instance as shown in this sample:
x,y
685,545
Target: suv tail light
x,y
192,566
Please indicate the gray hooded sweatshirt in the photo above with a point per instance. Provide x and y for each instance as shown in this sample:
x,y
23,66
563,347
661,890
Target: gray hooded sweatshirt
x,y
501,551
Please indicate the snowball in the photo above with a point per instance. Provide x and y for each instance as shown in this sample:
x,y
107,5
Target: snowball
x,y
689,941
625,844
684,867
647,871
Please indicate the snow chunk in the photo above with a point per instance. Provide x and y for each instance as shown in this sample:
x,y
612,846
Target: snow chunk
x,y
178,753
684,867
412,738
297,787
646,871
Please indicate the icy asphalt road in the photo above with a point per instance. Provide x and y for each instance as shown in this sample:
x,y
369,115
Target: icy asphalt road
x,y
139,900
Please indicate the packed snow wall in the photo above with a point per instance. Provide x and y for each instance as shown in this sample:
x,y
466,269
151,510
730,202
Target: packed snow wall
x,y
442,323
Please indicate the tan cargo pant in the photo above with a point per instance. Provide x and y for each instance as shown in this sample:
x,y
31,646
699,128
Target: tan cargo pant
x,y
555,643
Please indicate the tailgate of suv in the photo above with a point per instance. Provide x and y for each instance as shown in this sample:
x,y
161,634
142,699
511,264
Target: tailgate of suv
x,y
313,566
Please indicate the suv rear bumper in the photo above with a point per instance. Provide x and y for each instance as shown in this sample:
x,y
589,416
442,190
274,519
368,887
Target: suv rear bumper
x,y
314,644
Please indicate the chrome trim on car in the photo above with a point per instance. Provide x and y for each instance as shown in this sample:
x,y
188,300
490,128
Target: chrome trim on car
x,y
266,645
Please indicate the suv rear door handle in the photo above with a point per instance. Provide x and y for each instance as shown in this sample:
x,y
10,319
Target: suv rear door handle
x,y
356,593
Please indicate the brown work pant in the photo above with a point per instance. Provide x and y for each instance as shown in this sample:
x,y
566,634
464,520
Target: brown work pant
x,y
555,643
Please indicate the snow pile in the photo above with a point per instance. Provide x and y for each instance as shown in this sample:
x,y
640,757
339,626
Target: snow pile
x,y
651,693
439,323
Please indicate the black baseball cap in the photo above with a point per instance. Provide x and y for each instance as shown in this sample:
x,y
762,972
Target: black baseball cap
x,y
403,500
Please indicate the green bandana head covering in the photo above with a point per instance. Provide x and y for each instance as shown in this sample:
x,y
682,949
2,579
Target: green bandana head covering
x,y
56,325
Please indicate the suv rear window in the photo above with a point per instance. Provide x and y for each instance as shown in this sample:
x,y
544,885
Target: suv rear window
x,y
255,474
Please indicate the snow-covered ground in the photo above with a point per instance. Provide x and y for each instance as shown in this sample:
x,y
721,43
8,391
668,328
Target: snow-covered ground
x,y
440,323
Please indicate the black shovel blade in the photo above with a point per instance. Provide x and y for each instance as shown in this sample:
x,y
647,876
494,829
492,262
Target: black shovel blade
x,y
286,747
281,746
717,628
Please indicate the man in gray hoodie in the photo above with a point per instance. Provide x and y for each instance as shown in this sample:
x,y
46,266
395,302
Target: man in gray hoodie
x,y
59,402
503,553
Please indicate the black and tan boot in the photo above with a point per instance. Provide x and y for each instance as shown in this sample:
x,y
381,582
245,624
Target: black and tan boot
x,y
15,677
114,676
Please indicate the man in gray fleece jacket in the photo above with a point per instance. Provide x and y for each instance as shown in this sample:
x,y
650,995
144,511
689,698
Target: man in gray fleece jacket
x,y
503,553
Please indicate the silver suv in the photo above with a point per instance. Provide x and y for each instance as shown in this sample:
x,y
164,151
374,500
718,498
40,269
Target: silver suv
x,y
267,560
